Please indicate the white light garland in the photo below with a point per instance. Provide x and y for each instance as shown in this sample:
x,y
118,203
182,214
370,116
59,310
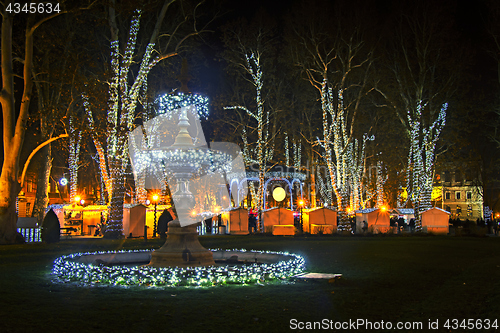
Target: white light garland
x,y
172,103
279,174
66,269
421,157
264,148
74,154
287,154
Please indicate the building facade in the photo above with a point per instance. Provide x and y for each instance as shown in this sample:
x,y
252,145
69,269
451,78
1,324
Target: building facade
x,y
460,193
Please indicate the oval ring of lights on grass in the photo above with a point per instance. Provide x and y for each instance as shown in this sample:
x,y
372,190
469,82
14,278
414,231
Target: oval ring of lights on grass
x,y
68,269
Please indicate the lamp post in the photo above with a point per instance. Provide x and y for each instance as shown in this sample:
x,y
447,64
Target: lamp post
x,y
301,204
155,199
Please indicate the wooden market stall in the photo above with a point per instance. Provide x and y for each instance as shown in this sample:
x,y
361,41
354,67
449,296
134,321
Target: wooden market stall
x,y
73,218
378,220
406,213
134,220
279,221
319,220
435,220
236,221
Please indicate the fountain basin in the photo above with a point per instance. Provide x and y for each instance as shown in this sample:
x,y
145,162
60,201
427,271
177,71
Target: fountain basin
x,y
236,267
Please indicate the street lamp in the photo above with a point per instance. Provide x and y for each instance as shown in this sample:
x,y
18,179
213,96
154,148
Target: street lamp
x,y
279,195
155,199
301,204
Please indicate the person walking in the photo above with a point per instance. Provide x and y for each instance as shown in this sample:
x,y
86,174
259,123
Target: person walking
x,y
165,217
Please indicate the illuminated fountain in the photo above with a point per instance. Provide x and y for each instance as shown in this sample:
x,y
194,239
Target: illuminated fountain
x,y
182,260
183,160
165,149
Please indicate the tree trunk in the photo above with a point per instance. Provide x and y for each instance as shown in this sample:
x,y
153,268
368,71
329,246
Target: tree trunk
x,y
13,130
114,227
8,215
313,189
42,188
342,204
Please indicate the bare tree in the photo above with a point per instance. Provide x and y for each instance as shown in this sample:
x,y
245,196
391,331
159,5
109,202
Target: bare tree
x,y
263,151
14,116
125,86
424,69
249,50
337,62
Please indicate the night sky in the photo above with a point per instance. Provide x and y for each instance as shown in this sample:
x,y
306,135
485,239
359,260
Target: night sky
x,y
477,90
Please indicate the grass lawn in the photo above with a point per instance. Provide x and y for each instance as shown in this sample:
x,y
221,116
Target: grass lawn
x,y
384,278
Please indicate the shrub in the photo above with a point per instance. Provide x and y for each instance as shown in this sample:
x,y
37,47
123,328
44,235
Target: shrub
x,y
51,228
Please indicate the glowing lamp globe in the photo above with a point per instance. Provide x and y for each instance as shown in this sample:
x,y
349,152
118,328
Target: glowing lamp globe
x,y
279,194
155,197
77,198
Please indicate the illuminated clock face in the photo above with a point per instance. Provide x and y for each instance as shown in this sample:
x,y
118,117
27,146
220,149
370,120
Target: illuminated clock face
x,y
279,194
63,182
